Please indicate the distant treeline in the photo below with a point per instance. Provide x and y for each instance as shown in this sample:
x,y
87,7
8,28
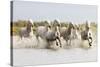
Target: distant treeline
x,y
22,23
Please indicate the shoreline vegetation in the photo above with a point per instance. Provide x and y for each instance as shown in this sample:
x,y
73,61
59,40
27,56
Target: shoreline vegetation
x,y
16,25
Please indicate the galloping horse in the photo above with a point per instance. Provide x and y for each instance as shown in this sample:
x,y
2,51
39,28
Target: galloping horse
x,y
87,35
27,31
48,34
75,33
67,34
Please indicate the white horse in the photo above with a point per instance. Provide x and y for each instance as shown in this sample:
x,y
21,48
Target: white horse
x,y
86,35
71,35
67,34
75,37
46,33
26,38
26,31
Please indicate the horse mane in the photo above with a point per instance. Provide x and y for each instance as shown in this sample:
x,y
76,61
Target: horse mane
x,y
28,27
69,28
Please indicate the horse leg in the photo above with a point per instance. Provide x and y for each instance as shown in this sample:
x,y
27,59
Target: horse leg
x,y
20,36
69,42
59,41
37,37
48,46
90,43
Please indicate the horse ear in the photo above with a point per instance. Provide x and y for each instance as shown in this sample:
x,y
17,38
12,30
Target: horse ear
x,y
87,23
31,21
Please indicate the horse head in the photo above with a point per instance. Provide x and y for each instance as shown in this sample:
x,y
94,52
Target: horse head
x,y
87,26
70,27
29,25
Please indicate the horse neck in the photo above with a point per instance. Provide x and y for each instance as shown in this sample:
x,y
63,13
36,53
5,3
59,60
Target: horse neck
x,y
28,29
86,31
31,29
48,29
69,31
57,31
77,31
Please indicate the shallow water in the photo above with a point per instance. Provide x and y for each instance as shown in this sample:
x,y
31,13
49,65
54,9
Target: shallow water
x,y
25,53
33,43
23,57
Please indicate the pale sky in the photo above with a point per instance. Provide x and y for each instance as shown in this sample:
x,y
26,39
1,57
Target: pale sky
x,y
24,10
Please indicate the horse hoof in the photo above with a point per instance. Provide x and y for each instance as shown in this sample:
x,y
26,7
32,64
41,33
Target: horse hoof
x,y
91,46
